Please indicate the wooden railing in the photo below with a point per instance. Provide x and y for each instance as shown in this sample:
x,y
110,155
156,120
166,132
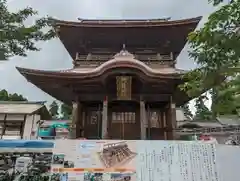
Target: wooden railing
x,y
93,57
95,60
106,57
155,58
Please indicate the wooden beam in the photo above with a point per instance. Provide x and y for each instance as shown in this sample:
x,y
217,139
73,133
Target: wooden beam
x,y
136,97
83,88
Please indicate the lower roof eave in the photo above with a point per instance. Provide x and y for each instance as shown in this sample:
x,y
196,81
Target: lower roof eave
x,y
81,75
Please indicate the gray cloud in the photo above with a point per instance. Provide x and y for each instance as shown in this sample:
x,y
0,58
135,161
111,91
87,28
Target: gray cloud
x,y
54,56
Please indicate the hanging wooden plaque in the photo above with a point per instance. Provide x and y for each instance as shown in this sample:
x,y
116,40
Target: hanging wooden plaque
x,y
124,87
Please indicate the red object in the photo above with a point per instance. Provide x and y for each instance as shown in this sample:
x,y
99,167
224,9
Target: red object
x,y
105,98
205,137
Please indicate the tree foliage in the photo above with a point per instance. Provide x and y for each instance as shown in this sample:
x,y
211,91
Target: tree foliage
x,y
226,98
5,96
53,109
187,112
215,48
202,112
66,111
63,111
15,37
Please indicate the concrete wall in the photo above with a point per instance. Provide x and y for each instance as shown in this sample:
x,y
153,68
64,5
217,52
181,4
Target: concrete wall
x,y
228,162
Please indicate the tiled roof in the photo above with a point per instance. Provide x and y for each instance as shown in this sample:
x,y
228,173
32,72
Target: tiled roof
x,y
12,107
229,120
127,23
207,124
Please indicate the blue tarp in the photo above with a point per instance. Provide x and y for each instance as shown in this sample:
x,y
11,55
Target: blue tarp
x,y
26,144
51,131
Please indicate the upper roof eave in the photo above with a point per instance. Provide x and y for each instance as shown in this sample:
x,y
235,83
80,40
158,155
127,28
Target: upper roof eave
x,y
127,23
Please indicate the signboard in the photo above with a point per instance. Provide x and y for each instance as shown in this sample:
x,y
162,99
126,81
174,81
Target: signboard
x,y
95,160
138,160
124,87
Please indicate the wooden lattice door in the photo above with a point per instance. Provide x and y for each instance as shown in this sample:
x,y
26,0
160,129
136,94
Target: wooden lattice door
x,y
124,121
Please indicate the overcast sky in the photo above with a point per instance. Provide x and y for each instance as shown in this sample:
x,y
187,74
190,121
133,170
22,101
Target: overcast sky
x,y
53,56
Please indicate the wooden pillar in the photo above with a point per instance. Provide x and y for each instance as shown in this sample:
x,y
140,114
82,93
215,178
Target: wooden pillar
x,y
74,121
148,123
174,119
171,119
169,122
143,120
78,119
105,120
164,123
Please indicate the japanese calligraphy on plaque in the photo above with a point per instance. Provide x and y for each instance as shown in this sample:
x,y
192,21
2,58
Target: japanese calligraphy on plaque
x,y
124,87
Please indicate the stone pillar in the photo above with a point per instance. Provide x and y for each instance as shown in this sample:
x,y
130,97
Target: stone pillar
x,y
143,120
105,120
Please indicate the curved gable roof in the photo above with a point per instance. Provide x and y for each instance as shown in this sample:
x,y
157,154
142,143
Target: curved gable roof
x,y
127,23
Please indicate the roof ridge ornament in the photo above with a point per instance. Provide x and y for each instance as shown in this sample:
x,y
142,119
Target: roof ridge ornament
x,y
124,54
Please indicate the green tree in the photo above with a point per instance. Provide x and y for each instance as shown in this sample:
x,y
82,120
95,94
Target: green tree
x,y
66,111
226,98
202,112
15,37
215,48
53,109
5,96
186,111
16,97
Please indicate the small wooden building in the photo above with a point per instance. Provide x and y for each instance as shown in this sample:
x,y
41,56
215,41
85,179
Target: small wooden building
x,y
124,83
19,119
